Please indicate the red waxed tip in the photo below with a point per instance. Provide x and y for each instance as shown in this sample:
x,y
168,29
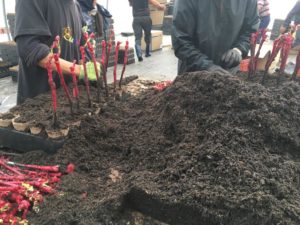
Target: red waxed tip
x,y
84,195
70,168
55,180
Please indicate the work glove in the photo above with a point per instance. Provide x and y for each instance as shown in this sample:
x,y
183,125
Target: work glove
x,y
231,58
218,69
90,71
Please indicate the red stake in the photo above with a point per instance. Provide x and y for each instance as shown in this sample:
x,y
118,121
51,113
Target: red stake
x,y
9,168
263,39
252,52
75,84
53,91
36,167
60,73
116,63
286,47
92,51
86,80
277,44
103,62
125,63
109,49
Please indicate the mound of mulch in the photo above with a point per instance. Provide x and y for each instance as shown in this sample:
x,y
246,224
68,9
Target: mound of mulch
x,y
210,149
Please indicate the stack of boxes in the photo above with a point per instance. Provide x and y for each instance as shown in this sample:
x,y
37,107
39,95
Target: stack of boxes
x,y
167,24
157,17
109,34
276,27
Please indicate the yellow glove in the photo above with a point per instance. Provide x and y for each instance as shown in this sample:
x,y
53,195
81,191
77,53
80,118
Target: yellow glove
x,y
91,73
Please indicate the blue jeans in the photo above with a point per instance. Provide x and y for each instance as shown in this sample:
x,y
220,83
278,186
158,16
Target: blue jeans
x,y
264,23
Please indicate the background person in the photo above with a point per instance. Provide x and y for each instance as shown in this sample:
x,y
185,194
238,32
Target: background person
x,y
38,22
212,34
142,22
294,15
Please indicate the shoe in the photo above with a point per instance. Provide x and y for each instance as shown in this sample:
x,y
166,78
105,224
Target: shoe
x,y
138,51
148,54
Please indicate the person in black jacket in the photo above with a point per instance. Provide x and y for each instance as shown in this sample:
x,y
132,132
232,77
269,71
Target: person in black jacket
x,y
38,22
294,14
212,35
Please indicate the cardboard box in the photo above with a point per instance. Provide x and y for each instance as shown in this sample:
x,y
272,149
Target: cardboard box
x,y
156,42
157,17
152,7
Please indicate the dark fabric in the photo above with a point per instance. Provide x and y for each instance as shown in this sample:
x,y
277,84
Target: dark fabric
x,y
264,22
86,5
294,14
140,24
38,22
96,22
105,15
99,24
140,8
203,30
297,39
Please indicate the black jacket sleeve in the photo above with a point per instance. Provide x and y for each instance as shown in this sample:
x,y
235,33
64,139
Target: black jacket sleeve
x,y
183,34
31,50
295,10
251,24
30,18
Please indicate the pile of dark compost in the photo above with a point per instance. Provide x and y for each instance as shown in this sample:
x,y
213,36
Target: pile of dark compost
x,y
210,149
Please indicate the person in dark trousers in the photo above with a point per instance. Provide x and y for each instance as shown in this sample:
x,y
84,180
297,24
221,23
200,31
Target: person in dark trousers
x,y
263,7
293,15
142,22
38,22
212,35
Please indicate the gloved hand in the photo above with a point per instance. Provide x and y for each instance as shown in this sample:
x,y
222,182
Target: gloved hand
x,y
231,58
218,69
90,71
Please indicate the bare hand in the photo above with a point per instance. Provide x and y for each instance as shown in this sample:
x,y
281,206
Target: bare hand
x,y
161,7
282,30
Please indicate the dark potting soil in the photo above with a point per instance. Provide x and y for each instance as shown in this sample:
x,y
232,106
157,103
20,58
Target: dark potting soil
x,y
210,149
7,116
271,80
